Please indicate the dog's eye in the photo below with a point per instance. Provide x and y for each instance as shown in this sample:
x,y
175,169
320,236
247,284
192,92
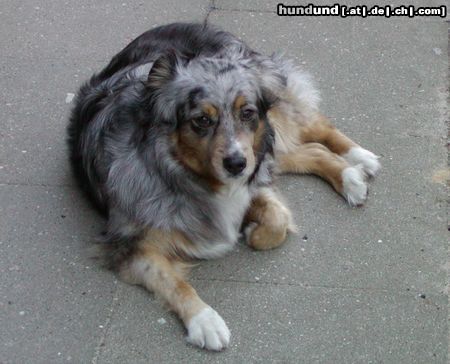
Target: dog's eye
x,y
202,122
247,114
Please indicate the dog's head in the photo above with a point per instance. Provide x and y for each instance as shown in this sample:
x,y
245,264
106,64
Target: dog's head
x,y
217,111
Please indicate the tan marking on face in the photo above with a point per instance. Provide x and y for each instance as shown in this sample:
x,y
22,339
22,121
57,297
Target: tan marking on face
x,y
193,152
210,110
258,136
218,152
238,103
189,149
253,143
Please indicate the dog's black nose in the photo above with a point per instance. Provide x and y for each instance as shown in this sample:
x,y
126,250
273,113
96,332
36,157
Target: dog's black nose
x,y
235,163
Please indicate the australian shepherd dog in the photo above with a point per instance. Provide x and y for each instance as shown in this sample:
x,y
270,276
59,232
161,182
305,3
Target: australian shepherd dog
x,y
176,142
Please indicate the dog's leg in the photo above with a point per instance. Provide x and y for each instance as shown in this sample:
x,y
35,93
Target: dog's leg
x,y
151,268
267,221
320,130
315,158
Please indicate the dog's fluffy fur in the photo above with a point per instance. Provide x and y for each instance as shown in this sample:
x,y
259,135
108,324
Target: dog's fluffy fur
x,y
176,141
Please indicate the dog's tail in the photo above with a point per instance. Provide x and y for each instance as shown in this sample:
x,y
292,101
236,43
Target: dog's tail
x,y
82,155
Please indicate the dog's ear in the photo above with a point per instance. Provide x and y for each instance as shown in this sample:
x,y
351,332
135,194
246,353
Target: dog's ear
x,y
163,70
155,100
268,99
272,82
271,88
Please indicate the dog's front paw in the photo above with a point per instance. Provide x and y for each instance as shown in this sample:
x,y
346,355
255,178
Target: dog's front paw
x,y
354,186
264,237
208,330
366,158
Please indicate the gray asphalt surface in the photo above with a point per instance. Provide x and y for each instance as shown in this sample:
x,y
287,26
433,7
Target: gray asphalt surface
x,y
368,285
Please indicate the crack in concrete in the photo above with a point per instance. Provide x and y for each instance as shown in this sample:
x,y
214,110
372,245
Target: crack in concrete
x,y
106,326
246,10
211,8
35,184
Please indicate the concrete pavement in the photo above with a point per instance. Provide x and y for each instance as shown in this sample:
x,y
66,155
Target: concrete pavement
x,y
366,285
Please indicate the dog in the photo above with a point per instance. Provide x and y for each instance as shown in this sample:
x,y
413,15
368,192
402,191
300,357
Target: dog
x,y
177,140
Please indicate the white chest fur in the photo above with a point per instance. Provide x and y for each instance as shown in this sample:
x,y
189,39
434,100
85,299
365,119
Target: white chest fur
x,y
231,203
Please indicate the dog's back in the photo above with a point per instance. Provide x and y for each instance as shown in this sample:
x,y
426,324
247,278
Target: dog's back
x,y
188,40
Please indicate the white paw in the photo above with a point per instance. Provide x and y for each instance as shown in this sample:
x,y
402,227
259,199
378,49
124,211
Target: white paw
x,y
369,161
208,330
354,185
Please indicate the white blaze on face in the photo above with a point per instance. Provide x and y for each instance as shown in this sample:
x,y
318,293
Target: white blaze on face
x,y
236,147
